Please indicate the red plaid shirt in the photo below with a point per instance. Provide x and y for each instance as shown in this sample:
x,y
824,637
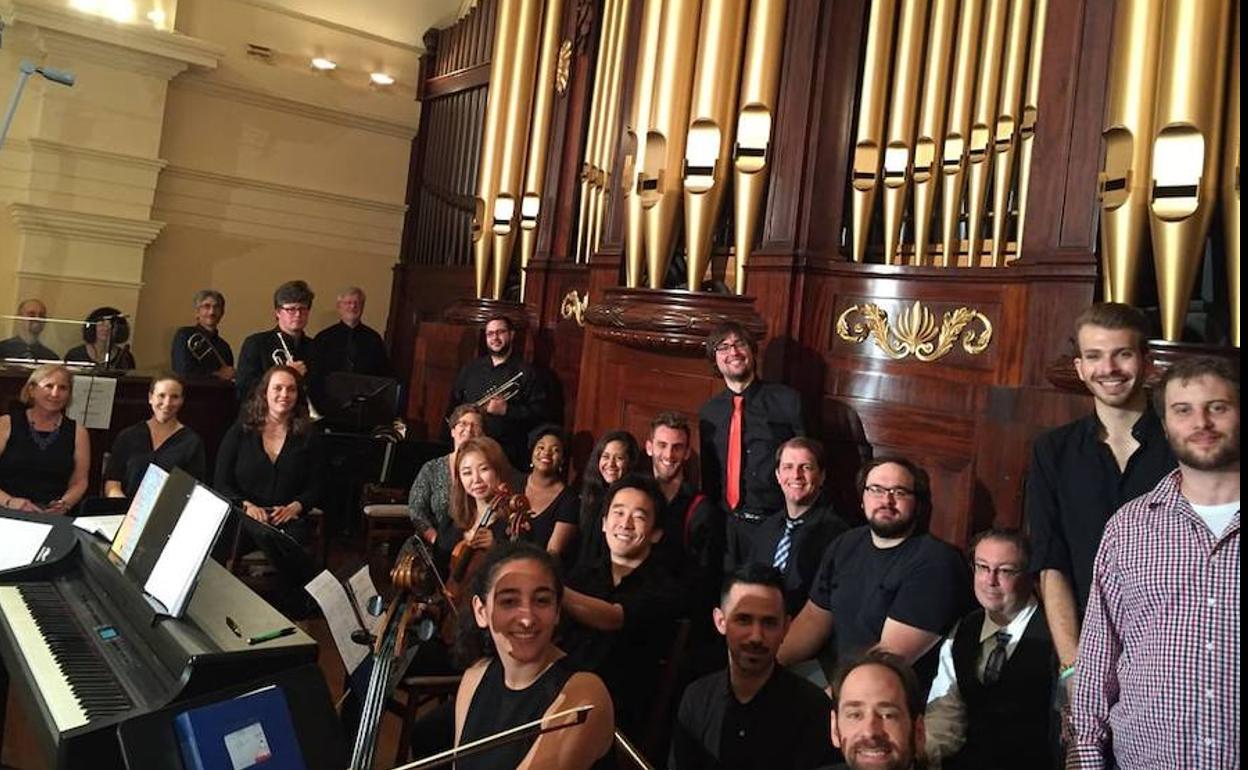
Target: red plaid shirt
x,y
1158,675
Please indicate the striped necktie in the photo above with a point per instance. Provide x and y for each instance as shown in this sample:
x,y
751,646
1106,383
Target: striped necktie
x,y
996,658
781,559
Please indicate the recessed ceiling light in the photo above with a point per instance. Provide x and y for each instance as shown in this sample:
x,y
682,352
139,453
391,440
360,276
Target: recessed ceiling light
x,y
381,79
323,64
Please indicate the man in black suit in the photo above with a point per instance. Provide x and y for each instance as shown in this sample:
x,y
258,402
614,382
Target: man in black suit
x,y
285,343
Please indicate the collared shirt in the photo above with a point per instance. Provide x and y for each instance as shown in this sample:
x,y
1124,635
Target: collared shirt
x,y
946,711
354,349
1158,672
16,347
1074,485
783,727
528,408
814,531
187,365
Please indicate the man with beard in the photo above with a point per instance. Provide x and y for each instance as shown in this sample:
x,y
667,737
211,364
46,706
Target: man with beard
x,y
507,420
888,585
25,343
200,350
1084,471
1158,676
877,718
795,542
740,430
286,343
989,706
753,714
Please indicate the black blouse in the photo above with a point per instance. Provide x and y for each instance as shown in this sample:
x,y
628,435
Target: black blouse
x,y
244,471
565,507
38,473
132,452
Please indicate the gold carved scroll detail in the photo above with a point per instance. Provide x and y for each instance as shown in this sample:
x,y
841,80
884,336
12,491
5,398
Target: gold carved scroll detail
x,y
563,67
574,306
916,331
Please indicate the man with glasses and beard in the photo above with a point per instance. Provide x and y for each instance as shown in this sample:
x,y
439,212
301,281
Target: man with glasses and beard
x,y
509,416
877,714
24,343
888,585
286,343
1158,675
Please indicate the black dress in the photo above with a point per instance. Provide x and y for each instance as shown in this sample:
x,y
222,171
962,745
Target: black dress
x,y
132,452
37,465
120,357
565,507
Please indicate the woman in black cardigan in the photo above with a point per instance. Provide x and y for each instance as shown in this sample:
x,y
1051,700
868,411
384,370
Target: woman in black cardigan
x,y
271,464
161,439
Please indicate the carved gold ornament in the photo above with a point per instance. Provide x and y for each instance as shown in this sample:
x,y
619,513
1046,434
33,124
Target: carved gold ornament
x,y
564,67
573,306
916,332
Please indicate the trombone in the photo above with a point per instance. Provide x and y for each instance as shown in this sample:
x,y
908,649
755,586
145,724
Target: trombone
x,y
505,391
201,347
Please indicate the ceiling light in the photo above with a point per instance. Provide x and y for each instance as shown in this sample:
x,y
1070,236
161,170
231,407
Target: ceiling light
x,y
381,79
323,64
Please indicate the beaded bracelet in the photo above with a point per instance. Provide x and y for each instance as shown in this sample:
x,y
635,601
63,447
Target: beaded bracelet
x,y
1066,673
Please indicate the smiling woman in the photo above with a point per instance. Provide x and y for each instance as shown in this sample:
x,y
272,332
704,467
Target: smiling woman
x,y
44,455
161,439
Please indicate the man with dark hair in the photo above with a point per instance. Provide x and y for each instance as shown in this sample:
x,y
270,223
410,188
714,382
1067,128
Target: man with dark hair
x,y
1083,471
685,512
24,343
624,606
795,542
889,584
989,705
877,714
1158,676
199,350
754,713
286,343
740,430
519,402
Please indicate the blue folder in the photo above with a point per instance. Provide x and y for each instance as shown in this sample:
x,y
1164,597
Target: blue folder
x,y
252,730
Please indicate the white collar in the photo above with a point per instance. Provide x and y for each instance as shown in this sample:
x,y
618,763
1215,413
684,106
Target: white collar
x,y
1015,627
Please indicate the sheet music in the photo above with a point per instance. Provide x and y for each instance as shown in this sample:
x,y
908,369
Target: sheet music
x,y
91,401
183,556
127,535
104,526
332,599
20,542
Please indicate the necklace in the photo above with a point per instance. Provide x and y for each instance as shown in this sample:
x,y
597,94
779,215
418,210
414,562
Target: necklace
x,y
44,439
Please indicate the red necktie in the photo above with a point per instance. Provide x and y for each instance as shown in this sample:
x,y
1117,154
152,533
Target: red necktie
x,y
733,492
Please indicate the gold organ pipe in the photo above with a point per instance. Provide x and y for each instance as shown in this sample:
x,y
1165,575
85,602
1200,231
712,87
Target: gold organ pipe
x,y
927,146
978,157
635,140
610,127
760,82
591,134
899,147
1230,186
953,149
519,115
539,137
659,185
1027,128
709,142
491,140
1005,138
1124,182
870,132
1188,123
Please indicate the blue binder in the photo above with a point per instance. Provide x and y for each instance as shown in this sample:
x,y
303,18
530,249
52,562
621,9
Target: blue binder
x,y
252,730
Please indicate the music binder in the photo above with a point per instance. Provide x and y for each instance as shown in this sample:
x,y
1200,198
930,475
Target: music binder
x,y
252,730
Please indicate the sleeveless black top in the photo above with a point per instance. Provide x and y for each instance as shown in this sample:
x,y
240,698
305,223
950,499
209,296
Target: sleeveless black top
x,y
39,474
496,707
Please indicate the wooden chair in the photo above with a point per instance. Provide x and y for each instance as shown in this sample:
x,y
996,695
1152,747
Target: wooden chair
x,y
418,691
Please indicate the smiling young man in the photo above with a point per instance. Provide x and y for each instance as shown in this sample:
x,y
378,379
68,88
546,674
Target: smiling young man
x,y
877,714
754,713
1158,678
625,605
1083,471
199,350
989,705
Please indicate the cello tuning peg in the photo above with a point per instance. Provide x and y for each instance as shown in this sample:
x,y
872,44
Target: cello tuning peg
x,y
375,606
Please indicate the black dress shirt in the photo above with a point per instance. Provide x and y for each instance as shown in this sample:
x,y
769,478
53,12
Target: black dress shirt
x,y
255,358
1074,486
245,472
771,415
818,527
132,452
16,347
528,408
783,727
356,350
187,365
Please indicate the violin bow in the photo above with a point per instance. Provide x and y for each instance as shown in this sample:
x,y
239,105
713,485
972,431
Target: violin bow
x,y
520,732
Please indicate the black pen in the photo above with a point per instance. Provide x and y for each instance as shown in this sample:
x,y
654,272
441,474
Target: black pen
x,y
229,621
271,635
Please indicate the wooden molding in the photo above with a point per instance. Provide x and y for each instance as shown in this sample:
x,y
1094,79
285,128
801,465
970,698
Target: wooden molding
x,y
676,321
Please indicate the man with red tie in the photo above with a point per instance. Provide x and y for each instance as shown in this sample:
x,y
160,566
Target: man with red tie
x,y
741,429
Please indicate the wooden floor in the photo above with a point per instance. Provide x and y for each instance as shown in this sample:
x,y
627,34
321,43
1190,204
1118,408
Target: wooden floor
x,y
21,753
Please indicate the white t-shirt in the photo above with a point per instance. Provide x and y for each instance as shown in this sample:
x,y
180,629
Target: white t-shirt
x,y
1217,517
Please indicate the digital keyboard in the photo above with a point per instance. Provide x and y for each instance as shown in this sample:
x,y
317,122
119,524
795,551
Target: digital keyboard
x,y
86,653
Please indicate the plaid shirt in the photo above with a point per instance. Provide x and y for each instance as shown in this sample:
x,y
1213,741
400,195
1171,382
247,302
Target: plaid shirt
x,y
1158,674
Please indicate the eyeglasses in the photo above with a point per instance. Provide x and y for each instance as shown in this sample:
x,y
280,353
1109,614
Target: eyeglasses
x,y
897,493
498,333
1005,572
724,347
294,309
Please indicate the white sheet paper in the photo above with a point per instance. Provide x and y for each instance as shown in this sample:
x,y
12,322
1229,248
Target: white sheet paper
x,y
183,555
20,542
332,599
91,402
104,526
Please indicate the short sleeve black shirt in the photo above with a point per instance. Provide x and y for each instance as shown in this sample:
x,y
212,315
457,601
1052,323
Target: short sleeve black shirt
x,y
922,582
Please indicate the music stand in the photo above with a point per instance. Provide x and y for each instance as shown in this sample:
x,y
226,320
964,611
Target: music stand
x,y
359,402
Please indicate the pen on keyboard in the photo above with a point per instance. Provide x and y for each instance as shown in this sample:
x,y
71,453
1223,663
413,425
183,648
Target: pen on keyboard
x,y
270,635
234,627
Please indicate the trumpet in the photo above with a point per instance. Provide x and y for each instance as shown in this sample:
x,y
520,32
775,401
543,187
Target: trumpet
x,y
201,347
283,357
505,391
